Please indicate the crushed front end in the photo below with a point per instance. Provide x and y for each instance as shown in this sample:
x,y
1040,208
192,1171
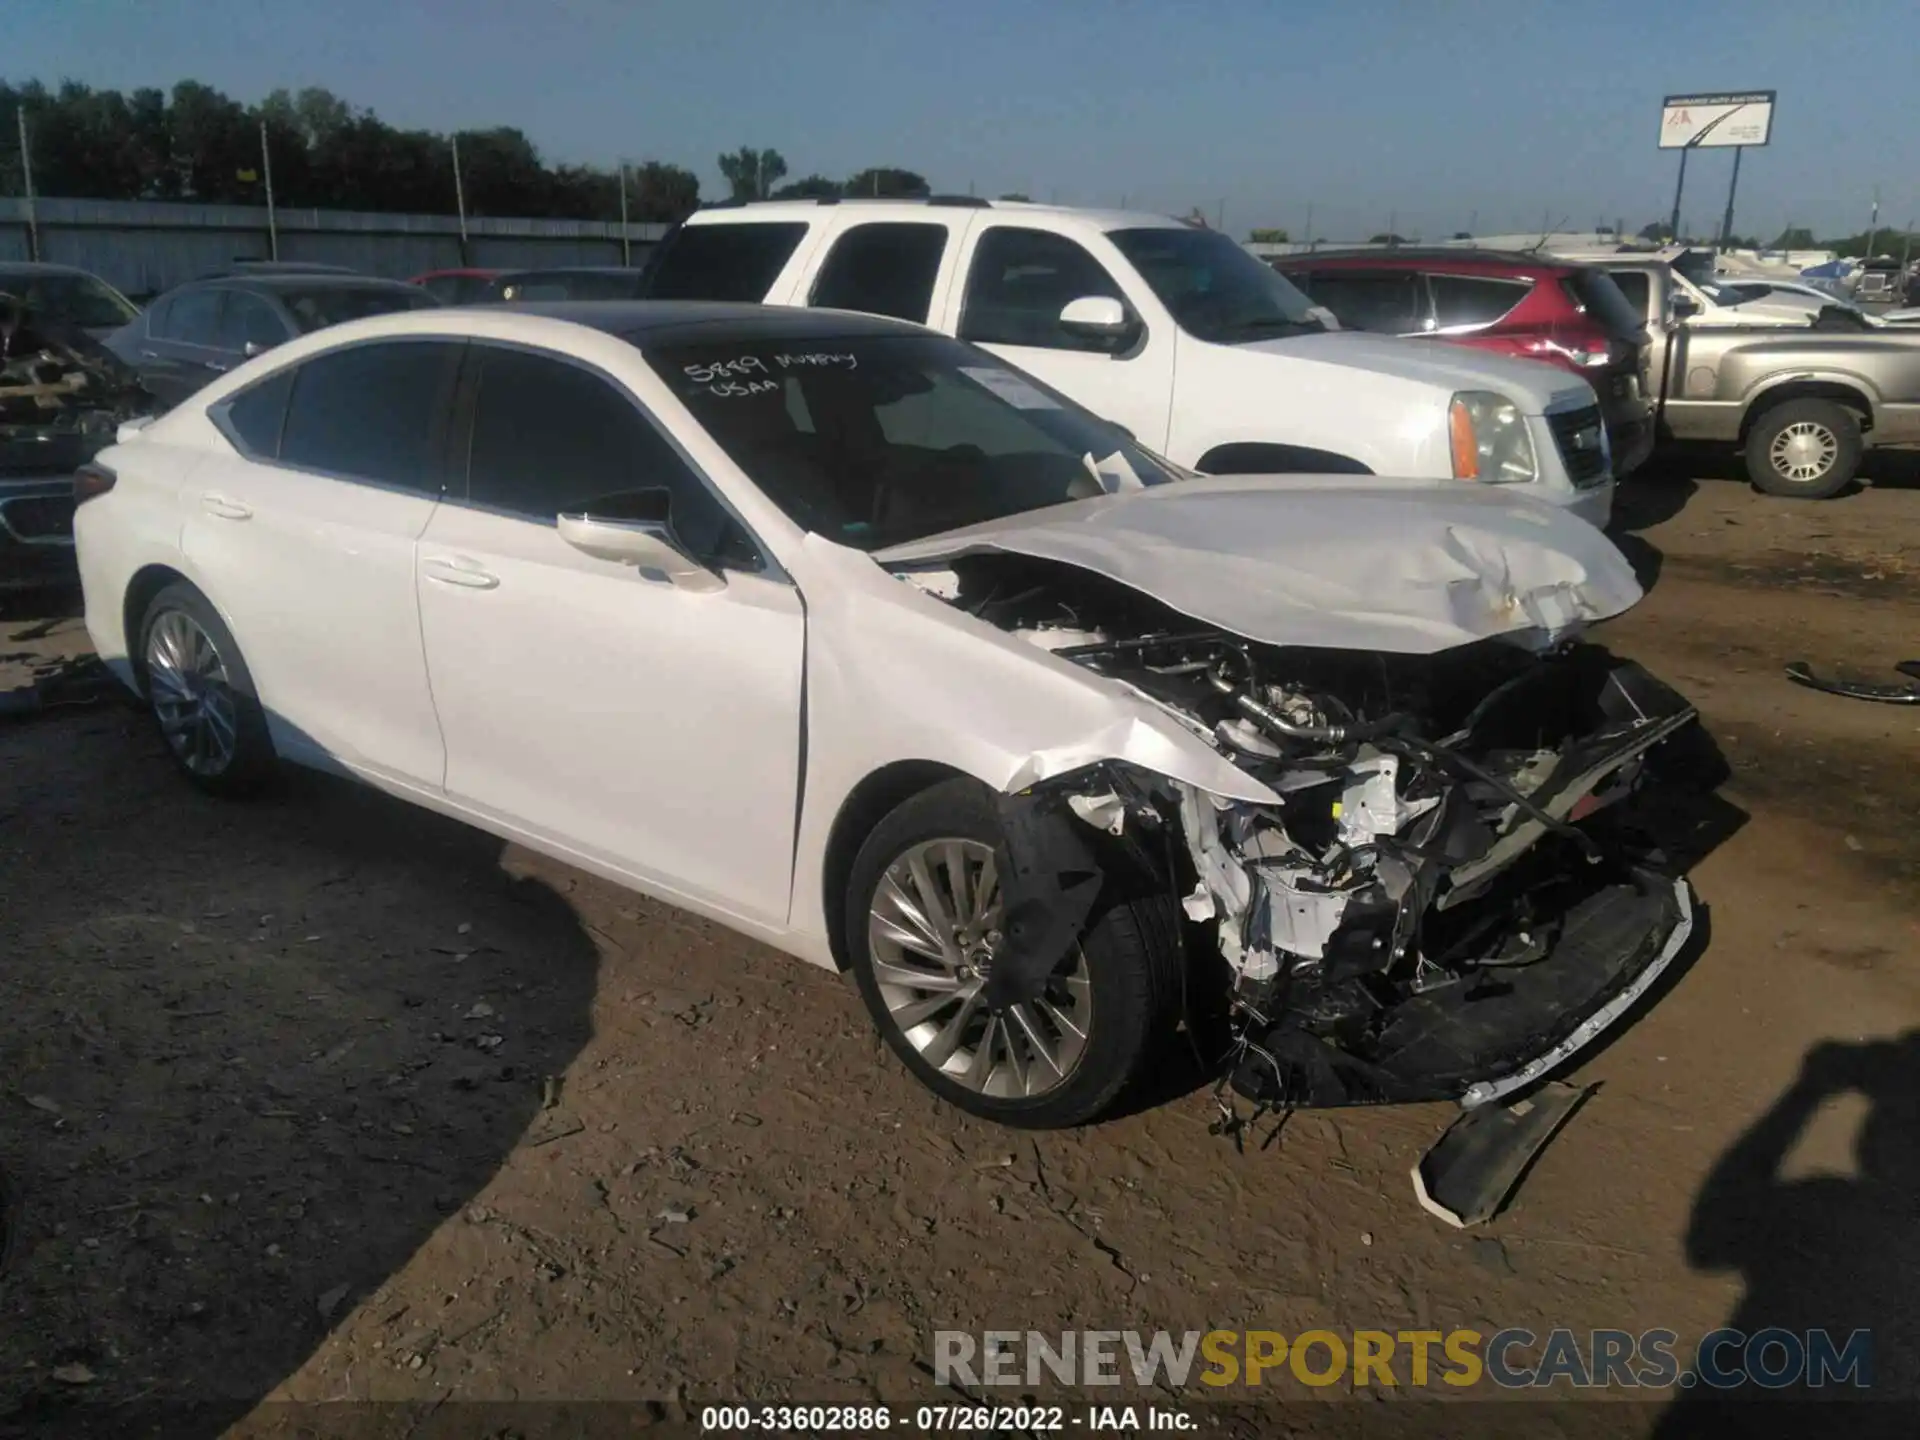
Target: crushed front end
x,y
1453,894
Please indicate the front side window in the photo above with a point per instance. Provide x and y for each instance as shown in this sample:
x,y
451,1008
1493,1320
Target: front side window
x,y
1471,302
895,438
723,262
882,269
193,318
1214,289
373,412
550,437
1387,302
1019,282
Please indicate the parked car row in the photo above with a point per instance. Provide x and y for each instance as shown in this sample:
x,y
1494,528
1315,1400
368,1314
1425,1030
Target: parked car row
x,y
1203,353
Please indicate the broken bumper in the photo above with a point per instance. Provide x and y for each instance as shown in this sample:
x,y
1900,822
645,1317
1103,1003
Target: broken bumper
x,y
1502,1029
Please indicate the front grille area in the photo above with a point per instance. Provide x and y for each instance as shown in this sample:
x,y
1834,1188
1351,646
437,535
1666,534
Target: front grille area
x,y
1582,443
38,517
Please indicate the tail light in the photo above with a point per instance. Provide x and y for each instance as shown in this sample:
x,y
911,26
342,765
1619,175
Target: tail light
x,y
1581,354
90,480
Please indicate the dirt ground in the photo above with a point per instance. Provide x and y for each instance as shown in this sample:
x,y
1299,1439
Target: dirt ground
x,y
323,1098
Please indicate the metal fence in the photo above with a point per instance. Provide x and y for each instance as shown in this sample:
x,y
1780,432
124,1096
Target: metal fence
x,y
143,247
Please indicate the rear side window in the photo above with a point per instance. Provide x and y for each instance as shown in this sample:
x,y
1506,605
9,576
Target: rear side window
x,y
1387,302
1471,302
882,270
551,437
1019,282
252,419
723,262
193,318
373,412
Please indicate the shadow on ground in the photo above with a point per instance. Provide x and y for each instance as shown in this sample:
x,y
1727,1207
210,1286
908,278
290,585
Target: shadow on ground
x,y
1831,1252
256,1054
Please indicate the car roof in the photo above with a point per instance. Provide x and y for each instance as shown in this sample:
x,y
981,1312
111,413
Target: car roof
x,y
737,212
42,267
643,321
278,283
638,322
1460,257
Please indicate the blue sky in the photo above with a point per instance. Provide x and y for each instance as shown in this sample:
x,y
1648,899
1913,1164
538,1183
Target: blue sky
x,y
1494,113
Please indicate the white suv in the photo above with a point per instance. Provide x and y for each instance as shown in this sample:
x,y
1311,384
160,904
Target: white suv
x,y
1177,333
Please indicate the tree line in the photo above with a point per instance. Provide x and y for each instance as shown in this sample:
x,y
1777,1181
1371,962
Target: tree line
x,y
195,143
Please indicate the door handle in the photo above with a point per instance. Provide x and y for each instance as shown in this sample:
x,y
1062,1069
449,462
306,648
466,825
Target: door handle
x,y
223,507
219,366
149,354
451,570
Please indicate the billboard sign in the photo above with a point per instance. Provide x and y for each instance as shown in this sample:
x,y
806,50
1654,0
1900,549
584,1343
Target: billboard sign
x,y
1742,117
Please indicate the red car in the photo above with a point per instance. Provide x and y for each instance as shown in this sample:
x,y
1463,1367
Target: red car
x,y
1533,306
457,287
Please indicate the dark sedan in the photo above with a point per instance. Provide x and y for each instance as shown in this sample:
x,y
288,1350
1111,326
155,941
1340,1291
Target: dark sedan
x,y
198,331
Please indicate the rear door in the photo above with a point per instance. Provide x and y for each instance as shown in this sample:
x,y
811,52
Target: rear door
x,y
304,539
897,268
182,344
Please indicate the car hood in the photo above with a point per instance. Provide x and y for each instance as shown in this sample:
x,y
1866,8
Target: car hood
x,y
1409,566
1440,363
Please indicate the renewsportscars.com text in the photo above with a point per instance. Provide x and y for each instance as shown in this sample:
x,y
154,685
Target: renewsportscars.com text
x,y
1510,1359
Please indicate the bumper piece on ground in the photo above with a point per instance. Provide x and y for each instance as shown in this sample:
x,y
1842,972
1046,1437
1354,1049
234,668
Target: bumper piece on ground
x,y
1468,1174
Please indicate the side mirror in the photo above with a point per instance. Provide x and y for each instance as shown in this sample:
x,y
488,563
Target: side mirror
x,y
638,532
1682,307
1098,317
252,348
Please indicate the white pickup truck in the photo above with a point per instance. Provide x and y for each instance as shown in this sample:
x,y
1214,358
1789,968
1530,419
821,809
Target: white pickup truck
x,y
1177,333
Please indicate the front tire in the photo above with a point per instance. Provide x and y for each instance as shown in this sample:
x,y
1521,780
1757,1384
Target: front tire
x,y
922,922
201,695
1804,449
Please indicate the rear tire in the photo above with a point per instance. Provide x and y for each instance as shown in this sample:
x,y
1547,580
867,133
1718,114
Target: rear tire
x,y
1108,1004
201,694
1804,449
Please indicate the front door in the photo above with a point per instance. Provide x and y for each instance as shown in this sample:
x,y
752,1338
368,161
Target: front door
x,y
304,539
1018,280
653,729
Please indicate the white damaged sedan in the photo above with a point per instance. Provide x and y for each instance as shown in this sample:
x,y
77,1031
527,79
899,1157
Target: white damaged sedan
x,y
854,639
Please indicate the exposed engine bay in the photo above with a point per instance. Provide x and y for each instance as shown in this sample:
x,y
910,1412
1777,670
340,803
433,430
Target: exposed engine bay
x,y
1450,897
62,395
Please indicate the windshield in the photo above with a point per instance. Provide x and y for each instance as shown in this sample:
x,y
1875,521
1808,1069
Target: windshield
x,y
878,440
322,306
1215,289
79,300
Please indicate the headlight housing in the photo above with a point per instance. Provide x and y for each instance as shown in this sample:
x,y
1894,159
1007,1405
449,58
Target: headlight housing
x,y
1490,440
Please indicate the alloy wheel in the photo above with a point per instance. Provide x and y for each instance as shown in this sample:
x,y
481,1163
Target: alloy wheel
x,y
933,932
192,694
